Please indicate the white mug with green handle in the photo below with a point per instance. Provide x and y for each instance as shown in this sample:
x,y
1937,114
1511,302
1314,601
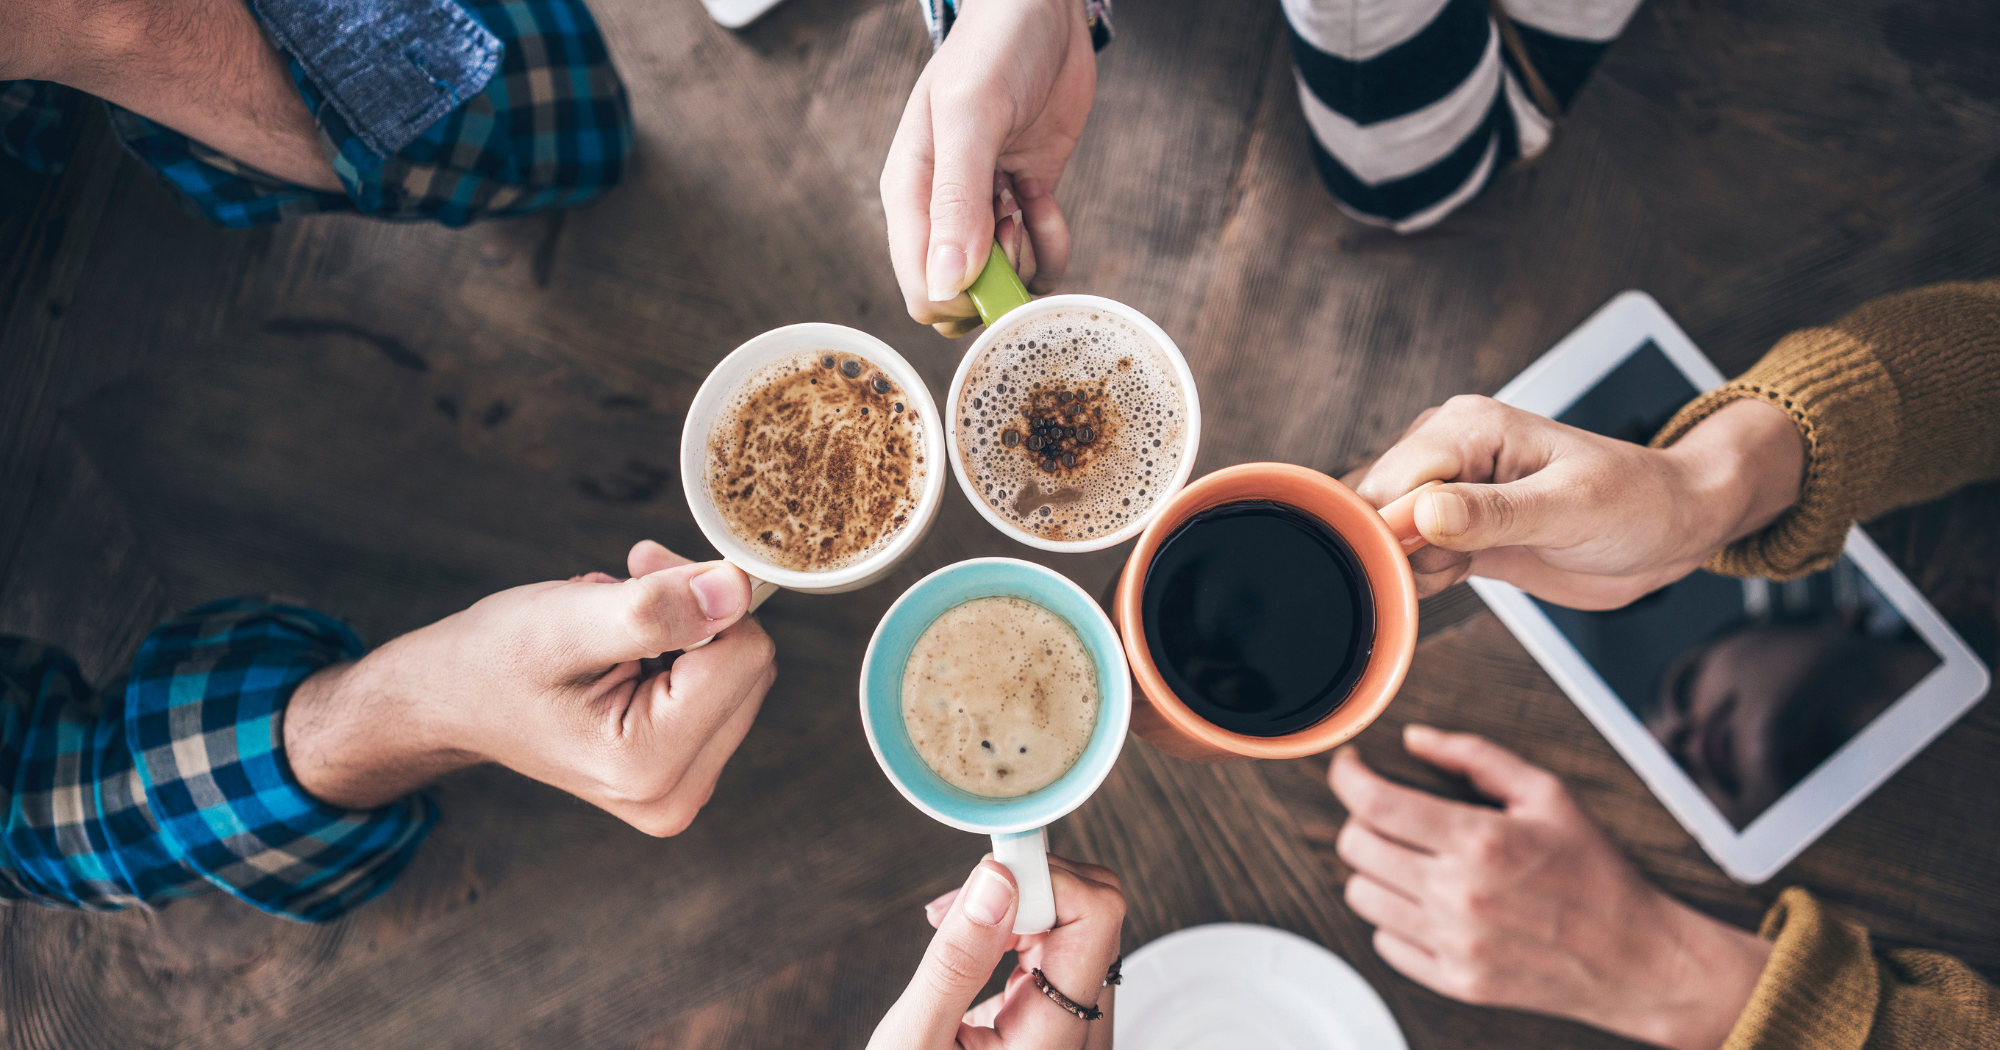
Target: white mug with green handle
x,y
1005,305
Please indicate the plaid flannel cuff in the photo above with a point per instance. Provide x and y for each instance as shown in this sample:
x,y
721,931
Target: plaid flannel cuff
x,y
204,721
76,833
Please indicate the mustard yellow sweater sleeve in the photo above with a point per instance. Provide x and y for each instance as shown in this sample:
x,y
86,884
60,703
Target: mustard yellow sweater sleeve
x,y
1825,988
1899,402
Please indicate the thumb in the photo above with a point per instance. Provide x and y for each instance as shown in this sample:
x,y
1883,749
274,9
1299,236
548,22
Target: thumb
x,y
1465,517
975,933
640,618
1498,773
967,151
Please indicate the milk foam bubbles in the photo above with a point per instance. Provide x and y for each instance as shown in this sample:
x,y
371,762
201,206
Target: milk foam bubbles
x,y
1071,424
1000,696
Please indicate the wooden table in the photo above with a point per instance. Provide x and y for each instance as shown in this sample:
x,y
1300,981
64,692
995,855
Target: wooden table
x,y
391,421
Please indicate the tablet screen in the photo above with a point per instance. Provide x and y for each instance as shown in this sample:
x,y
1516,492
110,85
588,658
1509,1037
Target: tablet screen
x,y
1748,684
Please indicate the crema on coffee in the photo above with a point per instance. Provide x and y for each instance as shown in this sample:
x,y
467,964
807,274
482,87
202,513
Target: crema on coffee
x,y
1000,696
1071,425
816,461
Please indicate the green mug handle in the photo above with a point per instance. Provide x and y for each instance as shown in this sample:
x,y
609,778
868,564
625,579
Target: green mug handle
x,y
998,289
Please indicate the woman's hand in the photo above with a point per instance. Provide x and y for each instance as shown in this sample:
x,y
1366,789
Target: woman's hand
x,y
974,925
1577,519
558,681
1529,906
1009,91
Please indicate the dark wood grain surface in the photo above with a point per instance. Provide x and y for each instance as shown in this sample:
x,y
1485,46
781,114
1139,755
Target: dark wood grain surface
x,y
389,422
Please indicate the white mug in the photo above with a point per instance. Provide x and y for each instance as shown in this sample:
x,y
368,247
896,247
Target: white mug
x,y
1017,312
725,380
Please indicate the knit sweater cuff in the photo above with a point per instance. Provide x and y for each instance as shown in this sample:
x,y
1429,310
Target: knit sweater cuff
x,y
1820,989
1847,408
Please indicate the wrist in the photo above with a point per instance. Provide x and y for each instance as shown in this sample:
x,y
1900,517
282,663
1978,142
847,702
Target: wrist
x,y
1708,973
1742,467
356,736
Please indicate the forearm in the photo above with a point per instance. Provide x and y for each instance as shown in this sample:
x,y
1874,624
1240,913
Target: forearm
x,y
1895,404
358,734
1704,975
201,67
1744,466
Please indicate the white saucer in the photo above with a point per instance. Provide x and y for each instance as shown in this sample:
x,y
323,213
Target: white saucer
x,y
1238,986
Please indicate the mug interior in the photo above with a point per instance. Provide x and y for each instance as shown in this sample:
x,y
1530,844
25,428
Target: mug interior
x,y
1390,582
1190,401
882,694
725,379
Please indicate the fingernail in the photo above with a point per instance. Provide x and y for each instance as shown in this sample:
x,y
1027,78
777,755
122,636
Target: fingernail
x,y
716,593
943,903
1419,735
1448,514
987,897
945,270
1028,189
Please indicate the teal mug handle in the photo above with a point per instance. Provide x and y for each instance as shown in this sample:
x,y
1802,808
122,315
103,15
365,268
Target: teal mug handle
x,y
998,289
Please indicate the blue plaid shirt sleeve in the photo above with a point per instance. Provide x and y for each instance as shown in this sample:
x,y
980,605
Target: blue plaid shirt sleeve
x,y
176,780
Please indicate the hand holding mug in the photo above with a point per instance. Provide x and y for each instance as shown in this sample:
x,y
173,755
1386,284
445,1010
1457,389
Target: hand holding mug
x,y
1529,906
1575,518
974,925
1009,91
555,681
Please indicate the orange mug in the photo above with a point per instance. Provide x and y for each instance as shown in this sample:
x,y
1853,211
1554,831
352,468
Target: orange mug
x,y
1381,541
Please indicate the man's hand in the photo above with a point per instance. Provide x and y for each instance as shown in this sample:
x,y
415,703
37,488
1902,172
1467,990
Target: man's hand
x,y
1009,91
556,681
975,925
1530,906
1577,519
201,67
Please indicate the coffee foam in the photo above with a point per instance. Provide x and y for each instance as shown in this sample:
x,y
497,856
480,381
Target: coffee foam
x,y
1000,696
813,469
1133,403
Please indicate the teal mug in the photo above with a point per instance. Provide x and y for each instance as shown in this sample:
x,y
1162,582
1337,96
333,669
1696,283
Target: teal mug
x,y
1017,825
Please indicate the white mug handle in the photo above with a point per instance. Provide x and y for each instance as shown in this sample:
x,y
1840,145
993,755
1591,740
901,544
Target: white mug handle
x,y
1026,855
759,590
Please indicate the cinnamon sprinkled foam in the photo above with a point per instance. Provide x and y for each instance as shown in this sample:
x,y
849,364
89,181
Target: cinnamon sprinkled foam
x,y
816,461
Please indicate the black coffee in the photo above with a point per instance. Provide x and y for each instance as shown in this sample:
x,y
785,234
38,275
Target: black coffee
x,y
1259,617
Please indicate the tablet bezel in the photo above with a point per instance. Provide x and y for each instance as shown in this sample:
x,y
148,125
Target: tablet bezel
x,y
1548,387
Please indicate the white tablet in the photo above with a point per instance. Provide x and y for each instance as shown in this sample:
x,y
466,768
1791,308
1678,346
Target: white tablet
x,y
1759,712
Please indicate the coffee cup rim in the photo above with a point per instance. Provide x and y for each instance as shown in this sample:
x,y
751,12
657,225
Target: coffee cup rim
x,y
1182,374
1391,583
722,381
923,787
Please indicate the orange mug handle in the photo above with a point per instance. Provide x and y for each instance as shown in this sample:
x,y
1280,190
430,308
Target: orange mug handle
x,y
1401,517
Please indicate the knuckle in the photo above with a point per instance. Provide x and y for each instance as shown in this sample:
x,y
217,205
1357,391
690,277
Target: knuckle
x,y
1110,905
1346,845
1470,405
955,204
1474,984
1099,873
668,821
953,968
1488,847
1357,897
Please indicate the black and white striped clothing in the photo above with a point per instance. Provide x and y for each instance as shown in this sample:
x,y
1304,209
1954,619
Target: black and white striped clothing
x,y
1415,104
